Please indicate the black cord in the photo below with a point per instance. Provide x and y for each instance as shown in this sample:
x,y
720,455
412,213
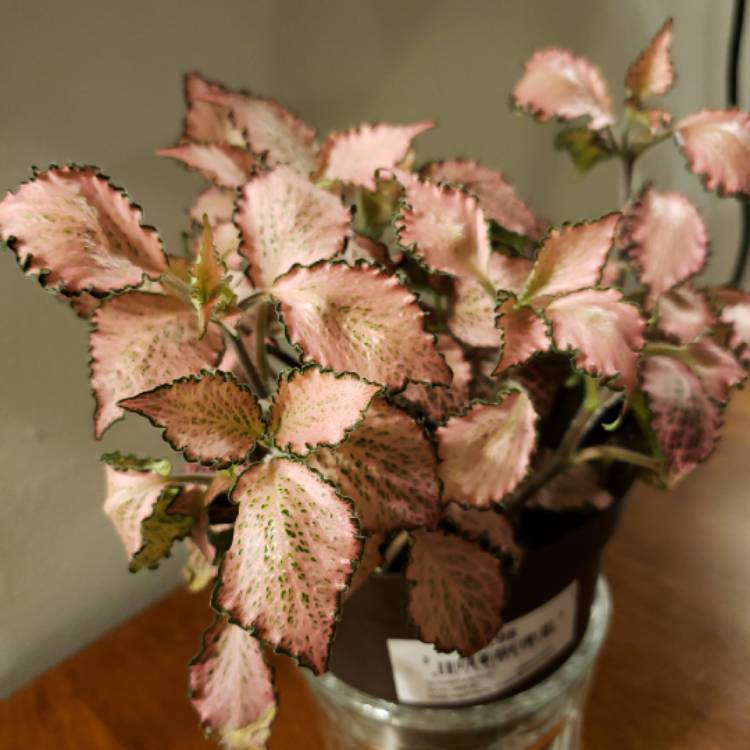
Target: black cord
x,y
733,76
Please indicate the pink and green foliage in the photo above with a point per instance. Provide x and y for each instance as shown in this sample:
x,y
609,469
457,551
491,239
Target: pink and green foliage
x,y
388,467
457,592
367,360
211,418
293,553
486,451
231,687
313,407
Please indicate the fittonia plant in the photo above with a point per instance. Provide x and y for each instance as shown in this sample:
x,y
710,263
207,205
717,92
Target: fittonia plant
x,y
358,358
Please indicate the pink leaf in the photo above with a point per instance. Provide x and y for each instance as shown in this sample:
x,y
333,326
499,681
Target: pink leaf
x,y
486,526
359,247
77,232
668,238
524,334
372,558
210,419
571,258
472,314
313,407
577,487
556,83
216,203
272,130
684,420
446,229
684,313
486,451
717,368
361,320
355,155
227,166
716,144
457,592
284,219
138,505
737,314
604,331
141,340
294,549
231,687
437,401
388,467
497,196
205,121
652,74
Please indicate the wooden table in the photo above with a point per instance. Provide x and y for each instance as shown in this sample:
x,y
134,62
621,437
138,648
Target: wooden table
x,y
674,675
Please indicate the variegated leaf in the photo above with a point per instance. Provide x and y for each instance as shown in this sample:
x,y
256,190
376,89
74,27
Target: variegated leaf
x,y
231,687
736,312
571,258
359,247
437,401
210,418
684,420
142,340
271,130
487,526
716,144
717,368
314,407
684,313
497,197
557,83
668,240
603,331
216,203
138,505
652,74
226,166
486,451
294,549
524,333
209,287
284,219
360,320
388,467
446,229
457,592
206,121
472,312
355,155
79,233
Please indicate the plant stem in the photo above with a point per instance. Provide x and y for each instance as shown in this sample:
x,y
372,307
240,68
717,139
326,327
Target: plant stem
x,y
192,478
261,355
628,172
394,549
615,453
257,384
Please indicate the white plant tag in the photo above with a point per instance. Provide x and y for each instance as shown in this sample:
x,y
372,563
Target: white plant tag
x,y
521,647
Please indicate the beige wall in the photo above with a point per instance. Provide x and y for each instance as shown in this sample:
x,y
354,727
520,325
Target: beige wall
x,y
99,82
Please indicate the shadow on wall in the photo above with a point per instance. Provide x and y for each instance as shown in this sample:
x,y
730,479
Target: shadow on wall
x,y
100,83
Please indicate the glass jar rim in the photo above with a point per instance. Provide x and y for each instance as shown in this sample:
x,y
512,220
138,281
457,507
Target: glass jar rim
x,y
571,672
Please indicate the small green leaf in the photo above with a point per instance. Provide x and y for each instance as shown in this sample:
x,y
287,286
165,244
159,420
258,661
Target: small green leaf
x,y
129,462
586,147
160,530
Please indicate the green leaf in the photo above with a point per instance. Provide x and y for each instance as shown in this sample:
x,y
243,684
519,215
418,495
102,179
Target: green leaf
x,y
129,462
585,147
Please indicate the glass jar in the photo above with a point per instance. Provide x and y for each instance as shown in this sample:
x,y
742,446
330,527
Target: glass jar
x,y
547,716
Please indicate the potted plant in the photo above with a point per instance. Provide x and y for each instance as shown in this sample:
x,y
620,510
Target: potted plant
x,y
398,393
